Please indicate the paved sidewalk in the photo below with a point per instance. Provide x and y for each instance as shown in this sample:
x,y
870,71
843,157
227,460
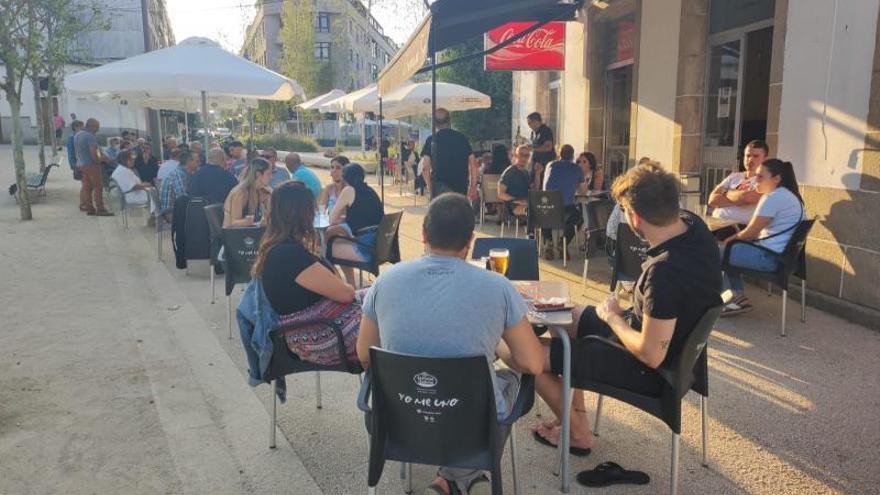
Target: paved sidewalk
x,y
116,376
110,382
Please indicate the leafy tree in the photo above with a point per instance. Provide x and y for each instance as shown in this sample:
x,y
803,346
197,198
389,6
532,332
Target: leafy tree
x,y
479,125
297,36
60,21
26,49
270,113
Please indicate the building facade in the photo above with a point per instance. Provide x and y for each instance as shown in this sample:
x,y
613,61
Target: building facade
x,y
135,27
689,82
345,34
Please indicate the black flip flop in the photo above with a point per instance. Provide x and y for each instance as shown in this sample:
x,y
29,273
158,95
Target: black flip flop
x,y
610,473
575,451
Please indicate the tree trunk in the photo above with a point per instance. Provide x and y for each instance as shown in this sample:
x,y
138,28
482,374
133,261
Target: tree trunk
x,y
41,134
18,151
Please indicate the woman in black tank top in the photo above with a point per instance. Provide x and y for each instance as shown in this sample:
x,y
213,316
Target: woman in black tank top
x,y
357,212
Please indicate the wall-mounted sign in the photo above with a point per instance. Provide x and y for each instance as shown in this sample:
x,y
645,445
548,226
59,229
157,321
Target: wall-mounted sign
x,y
542,49
626,35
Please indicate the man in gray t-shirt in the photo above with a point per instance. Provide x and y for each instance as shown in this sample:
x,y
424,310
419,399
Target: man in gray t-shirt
x,y
88,161
441,306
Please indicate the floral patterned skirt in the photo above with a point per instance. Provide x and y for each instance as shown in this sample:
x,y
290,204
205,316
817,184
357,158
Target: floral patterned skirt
x,y
314,333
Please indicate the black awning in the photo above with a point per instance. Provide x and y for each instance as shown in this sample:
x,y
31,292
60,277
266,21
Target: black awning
x,y
457,21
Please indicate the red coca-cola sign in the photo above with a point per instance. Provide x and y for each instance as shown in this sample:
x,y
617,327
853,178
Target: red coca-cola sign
x,y
542,49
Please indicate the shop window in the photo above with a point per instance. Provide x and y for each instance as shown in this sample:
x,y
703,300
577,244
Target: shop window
x,y
722,94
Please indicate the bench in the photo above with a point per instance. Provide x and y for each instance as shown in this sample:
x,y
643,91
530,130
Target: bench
x,y
35,182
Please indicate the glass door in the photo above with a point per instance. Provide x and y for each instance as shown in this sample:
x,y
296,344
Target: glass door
x,y
618,96
737,89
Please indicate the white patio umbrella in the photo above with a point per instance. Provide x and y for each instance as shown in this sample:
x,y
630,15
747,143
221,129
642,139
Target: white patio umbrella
x,y
361,101
414,99
190,71
319,101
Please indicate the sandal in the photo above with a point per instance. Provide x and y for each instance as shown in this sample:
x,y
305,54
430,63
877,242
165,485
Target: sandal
x,y
610,473
737,306
480,486
575,451
436,489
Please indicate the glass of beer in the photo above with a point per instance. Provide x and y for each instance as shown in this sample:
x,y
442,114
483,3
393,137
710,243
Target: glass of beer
x,y
499,259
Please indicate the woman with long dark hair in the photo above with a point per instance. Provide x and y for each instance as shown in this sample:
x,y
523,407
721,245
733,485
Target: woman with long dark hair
x,y
500,160
247,202
330,193
357,212
592,173
146,164
297,283
779,211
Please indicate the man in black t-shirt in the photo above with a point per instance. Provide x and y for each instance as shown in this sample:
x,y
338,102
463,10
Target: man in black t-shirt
x,y
680,281
456,167
543,150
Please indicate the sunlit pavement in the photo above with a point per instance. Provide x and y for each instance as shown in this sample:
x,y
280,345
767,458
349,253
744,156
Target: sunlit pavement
x,y
116,375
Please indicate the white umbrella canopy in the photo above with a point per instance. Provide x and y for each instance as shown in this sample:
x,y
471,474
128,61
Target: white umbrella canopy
x,y
414,99
318,102
186,70
361,101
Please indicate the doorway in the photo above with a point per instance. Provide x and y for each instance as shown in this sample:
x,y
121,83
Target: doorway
x,y
737,93
618,95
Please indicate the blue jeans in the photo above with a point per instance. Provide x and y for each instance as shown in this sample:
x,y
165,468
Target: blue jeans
x,y
746,256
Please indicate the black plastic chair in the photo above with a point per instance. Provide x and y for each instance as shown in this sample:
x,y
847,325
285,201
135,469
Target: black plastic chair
x,y
284,362
687,371
629,254
240,246
792,261
386,249
597,215
523,263
198,234
547,211
214,216
446,417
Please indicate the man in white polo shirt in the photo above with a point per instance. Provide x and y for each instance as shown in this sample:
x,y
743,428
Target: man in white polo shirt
x,y
735,198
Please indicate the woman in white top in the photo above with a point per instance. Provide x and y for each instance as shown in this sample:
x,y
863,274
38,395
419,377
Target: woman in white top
x,y
776,216
330,193
129,182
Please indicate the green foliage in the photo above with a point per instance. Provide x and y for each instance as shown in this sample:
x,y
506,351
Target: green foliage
x,y
284,142
271,112
479,125
298,61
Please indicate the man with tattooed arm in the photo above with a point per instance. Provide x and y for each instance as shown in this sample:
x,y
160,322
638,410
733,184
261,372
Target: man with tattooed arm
x,y
681,279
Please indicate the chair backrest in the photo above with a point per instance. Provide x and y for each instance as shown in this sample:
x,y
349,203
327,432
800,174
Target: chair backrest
x,y
240,249
546,209
679,371
629,255
792,257
489,188
214,215
387,246
429,410
598,213
198,234
45,176
523,263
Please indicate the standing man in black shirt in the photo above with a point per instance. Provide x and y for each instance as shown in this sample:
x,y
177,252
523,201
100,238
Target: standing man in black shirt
x,y
680,281
543,150
456,167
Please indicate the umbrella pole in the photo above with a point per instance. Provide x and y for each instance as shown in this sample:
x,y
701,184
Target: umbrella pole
x,y
381,161
434,146
186,123
205,121
250,129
